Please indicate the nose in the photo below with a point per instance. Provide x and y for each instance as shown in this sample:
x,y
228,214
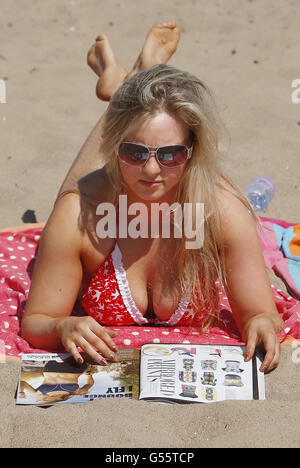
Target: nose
x,y
152,166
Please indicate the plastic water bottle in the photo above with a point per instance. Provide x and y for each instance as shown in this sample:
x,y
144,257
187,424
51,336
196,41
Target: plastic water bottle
x,y
260,192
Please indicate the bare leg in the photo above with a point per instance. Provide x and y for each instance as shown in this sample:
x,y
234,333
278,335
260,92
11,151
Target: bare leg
x,y
159,46
88,160
25,386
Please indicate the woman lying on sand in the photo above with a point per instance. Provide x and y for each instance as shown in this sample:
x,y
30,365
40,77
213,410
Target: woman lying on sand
x,y
157,142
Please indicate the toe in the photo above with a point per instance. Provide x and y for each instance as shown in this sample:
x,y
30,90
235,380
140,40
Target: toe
x,y
100,37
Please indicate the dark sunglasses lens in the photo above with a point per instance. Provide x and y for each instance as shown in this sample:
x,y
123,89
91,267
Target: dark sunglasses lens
x,y
171,156
133,154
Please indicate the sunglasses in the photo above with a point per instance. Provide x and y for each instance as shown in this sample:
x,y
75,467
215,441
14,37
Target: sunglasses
x,y
137,154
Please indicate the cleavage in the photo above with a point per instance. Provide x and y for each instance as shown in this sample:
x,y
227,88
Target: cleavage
x,y
145,285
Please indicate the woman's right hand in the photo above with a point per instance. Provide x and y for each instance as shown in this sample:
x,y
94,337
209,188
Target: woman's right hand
x,y
86,333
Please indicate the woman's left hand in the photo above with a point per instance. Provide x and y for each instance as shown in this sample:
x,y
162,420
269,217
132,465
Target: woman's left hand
x,y
262,330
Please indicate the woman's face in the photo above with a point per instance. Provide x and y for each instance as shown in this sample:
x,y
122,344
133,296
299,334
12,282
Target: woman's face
x,y
152,181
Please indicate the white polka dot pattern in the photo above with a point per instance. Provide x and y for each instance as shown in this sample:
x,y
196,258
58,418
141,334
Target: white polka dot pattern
x,y
17,256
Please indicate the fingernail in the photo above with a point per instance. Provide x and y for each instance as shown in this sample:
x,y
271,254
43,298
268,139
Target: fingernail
x,y
80,360
246,357
112,357
115,349
103,362
263,368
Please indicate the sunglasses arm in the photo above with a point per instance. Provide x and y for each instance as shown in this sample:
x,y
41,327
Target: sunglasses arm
x,y
190,151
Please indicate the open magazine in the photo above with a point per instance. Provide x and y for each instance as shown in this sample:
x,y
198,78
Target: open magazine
x,y
170,373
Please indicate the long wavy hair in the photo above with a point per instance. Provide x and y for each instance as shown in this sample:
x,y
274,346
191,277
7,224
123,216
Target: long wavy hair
x,y
166,88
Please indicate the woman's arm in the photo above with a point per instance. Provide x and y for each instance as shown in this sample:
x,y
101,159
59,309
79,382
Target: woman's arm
x,y
55,285
249,289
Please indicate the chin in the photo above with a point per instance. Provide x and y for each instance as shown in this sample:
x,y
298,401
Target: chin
x,y
156,194
151,195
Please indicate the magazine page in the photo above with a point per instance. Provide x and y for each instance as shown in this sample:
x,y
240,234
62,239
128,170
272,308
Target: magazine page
x,y
199,373
48,379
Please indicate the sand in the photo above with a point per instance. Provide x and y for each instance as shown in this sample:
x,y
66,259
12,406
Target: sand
x,y
136,424
247,52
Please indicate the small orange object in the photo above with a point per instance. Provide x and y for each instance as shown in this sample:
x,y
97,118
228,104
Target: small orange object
x,y
295,242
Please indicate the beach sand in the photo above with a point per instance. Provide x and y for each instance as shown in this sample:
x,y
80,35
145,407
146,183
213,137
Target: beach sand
x,y
247,52
131,423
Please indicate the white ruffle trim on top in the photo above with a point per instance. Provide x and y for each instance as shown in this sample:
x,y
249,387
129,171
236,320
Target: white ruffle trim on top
x,y
178,314
124,287
129,301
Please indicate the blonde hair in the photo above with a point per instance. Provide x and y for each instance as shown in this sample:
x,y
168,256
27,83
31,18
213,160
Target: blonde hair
x,y
166,88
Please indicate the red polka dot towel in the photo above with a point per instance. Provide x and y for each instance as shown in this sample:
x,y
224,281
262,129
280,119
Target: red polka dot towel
x,y
18,249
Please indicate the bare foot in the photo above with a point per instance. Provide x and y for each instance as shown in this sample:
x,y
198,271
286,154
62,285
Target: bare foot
x,y
159,46
111,73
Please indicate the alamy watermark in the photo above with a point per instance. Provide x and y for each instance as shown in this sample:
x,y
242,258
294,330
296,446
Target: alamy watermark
x,y
140,226
2,352
296,352
296,94
2,92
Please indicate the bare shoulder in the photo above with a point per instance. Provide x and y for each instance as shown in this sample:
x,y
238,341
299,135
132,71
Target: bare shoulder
x,y
230,204
66,208
70,201
237,220
63,227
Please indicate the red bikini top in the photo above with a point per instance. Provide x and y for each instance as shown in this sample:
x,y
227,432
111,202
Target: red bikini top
x,y
107,298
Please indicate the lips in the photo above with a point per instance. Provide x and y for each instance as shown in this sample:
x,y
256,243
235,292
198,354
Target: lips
x,y
151,182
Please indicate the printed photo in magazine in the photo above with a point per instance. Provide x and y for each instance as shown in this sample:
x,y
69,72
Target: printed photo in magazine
x,y
48,379
166,373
